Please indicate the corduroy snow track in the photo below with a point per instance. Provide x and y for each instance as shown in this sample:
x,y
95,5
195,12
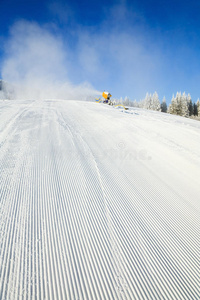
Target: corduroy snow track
x,y
97,202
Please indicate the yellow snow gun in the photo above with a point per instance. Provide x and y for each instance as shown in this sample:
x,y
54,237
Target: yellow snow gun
x,y
107,97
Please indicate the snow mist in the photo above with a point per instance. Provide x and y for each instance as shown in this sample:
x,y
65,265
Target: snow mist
x,y
36,65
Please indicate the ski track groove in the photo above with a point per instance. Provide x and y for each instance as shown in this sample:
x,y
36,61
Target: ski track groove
x,y
78,227
171,271
107,213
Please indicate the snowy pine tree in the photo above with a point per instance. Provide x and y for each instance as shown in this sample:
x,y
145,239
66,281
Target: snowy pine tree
x,y
163,105
179,105
172,109
141,103
151,102
190,105
155,102
147,101
126,101
135,103
198,107
195,110
184,110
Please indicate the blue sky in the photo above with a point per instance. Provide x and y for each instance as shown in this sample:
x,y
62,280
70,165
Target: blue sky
x,y
126,47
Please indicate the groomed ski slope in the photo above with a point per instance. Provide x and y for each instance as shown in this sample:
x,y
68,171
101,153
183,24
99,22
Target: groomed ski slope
x,y
98,202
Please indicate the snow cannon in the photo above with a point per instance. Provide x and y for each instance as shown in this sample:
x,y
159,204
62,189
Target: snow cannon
x,y
107,97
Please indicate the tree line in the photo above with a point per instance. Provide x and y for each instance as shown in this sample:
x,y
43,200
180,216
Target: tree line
x,y
181,104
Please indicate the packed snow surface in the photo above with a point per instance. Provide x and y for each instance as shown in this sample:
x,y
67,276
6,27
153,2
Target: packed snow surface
x,y
97,202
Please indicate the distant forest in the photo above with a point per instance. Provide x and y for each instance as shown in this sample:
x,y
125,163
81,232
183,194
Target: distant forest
x,y
181,104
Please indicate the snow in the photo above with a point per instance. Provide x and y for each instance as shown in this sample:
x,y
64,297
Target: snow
x,y
97,202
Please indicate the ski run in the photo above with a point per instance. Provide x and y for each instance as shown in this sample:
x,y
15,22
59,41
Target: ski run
x,y
97,202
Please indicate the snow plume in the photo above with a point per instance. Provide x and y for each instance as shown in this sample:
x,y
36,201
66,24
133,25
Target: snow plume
x,y
36,65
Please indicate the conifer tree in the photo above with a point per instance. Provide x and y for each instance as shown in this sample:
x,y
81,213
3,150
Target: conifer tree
x,y
126,101
163,105
190,105
135,103
155,102
147,101
184,110
179,105
172,109
195,111
198,107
